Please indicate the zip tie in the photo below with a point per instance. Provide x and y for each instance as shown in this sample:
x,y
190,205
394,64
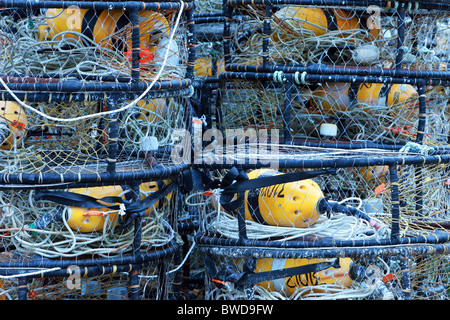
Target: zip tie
x,y
122,209
296,77
95,213
278,76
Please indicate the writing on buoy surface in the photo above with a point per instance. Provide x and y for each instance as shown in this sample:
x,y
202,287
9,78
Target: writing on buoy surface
x,y
336,276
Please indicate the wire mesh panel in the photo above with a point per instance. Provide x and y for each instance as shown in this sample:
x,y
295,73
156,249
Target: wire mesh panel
x,y
208,19
336,69
336,111
280,276
95,42
299,205
35,278
330,234
52,230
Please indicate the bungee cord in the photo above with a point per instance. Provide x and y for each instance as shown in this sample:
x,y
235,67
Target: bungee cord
x,y
67,138
61,240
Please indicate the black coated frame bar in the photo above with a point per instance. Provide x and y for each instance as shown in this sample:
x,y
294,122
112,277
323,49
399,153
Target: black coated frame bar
x,y
220,247
31,179
100,5
315,78
323,69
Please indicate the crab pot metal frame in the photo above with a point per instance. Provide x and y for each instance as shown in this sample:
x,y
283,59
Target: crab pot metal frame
x,y
288,81
110,90
289,75
391,162
131,263
399,10
49,87
403,253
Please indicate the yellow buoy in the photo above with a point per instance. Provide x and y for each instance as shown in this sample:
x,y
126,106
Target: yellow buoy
x,y
337,96
287,286
292,204
89,220
15,123
374,173
312,21
104,27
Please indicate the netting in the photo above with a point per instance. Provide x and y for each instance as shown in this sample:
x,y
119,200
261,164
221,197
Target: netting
x,y
323,113
81,42
104,285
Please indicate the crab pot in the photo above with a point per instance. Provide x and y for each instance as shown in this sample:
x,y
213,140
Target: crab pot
x,y
301,209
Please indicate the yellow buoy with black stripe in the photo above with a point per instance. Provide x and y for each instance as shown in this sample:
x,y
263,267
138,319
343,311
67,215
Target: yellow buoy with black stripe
x,y
341,96
313,21
292,204
288,286
13,124
88,220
